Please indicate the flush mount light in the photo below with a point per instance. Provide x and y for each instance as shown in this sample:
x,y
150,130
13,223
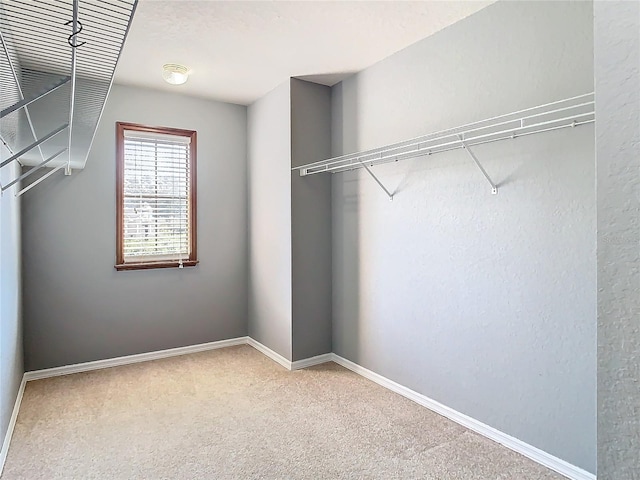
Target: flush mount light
x,y
175,74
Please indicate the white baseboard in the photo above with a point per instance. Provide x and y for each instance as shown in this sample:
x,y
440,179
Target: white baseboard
x,y
12,424
310,362
535,454
289,365
129,359
276,357
570,471
173,352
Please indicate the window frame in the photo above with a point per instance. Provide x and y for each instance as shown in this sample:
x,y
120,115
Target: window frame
x,y
192,260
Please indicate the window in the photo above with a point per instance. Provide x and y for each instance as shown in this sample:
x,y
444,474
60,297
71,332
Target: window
x,y
155,197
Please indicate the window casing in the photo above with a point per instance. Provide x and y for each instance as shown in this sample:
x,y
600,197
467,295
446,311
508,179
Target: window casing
x,y
155,197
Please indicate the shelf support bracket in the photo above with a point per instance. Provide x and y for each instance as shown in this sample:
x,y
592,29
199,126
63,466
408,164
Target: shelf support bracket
x,y
36,182
389,194
32,170
33,145
25,102
20,92
494,188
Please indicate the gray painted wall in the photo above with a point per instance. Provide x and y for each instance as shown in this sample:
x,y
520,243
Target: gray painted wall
x,y
310,220
76,306
11,365
484,303
269,148
617,77
290,221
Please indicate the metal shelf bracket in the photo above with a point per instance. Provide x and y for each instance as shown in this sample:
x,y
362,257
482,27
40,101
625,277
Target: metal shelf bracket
x,y
389,194
15,156
494,188
27,101
39,180
32,170
14,74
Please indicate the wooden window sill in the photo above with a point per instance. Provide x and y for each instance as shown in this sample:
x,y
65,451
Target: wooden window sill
x,y
149,265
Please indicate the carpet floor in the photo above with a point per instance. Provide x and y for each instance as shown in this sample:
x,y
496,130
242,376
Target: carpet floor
x,y
235,414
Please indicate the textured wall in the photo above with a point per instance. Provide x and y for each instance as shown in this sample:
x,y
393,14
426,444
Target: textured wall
x,y
484,303
269,147
290,221
11,365
310,220
77,307
617,76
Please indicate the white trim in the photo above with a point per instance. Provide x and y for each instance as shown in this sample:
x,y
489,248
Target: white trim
x,y
172,352
564,468
12,424
276,357
289,365
529,451
309,362
129,359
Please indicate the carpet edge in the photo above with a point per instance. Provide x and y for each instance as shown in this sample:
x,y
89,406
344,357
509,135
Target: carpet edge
x,y
311,361
276,357
533,453
130,359
539,456
12,424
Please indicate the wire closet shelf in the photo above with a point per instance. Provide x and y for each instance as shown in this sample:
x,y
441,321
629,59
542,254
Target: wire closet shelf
x,y
570,112
57,61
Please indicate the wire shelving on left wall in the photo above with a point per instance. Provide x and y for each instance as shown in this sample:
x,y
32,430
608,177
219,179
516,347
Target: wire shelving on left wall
x,y
57,61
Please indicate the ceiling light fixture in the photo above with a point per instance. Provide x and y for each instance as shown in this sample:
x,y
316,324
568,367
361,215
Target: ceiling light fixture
x,y
175,74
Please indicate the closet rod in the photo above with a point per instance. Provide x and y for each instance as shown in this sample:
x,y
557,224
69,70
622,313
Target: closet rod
x,y
570,112
456,145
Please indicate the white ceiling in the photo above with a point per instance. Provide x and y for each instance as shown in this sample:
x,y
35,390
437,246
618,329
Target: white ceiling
x,y
240,50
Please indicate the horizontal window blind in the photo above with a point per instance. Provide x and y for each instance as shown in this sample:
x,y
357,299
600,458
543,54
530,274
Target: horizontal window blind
x,y
156,196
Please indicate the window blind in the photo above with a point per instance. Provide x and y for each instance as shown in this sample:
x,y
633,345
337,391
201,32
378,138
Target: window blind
x,y
156,196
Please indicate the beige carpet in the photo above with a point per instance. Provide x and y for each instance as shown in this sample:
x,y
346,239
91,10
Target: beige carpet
x,y
235,414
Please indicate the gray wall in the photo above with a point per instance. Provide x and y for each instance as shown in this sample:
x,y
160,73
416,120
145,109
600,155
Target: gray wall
x,y
310,220
11,366
269,154
76,306
617,76
484,303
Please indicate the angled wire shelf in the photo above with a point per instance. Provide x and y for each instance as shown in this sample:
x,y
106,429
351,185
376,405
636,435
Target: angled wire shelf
x,y
567,113
57,61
